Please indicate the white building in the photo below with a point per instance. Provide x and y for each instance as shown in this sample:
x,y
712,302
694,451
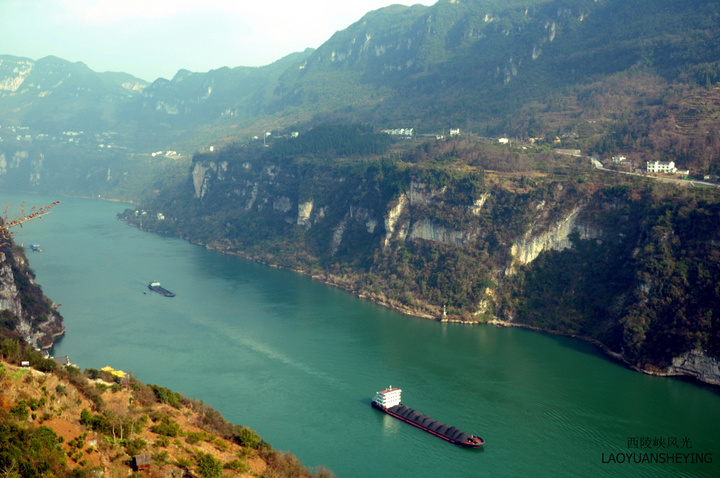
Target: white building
x,y
666,167
399,131
388,398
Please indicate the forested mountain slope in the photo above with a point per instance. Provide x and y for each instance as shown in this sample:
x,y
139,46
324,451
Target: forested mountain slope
x,y
469,230
57,420
618,76
429,223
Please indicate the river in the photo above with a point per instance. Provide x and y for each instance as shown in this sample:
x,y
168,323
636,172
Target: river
x,y
298,362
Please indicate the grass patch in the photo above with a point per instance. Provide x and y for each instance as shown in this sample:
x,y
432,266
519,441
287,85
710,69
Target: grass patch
x,y
18,374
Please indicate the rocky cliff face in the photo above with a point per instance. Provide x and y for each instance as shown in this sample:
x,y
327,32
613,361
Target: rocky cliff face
x,y
555,238
36,320
9,299
565,256
696,364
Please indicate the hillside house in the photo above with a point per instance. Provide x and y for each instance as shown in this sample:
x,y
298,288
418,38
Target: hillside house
x,y
663,167
62,361
142,462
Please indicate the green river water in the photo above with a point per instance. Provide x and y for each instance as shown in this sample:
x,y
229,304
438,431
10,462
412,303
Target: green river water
x,y
299,362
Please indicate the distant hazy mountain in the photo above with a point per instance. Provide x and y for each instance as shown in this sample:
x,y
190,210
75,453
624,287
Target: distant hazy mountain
x,y
52,95
519,68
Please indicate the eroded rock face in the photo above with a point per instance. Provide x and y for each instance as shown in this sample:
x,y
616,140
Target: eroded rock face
x,y
426,229
9,298
304,213
392,218
199,179
36,331
556,238
698,364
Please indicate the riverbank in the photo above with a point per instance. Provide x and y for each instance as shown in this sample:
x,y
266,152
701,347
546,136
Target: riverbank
x,y
703,369
699,374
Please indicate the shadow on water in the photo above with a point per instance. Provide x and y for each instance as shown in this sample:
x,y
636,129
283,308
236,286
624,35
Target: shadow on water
x,y
714,389
589,348
57,342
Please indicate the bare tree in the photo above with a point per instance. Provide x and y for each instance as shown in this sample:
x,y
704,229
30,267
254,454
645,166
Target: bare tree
x,y
8,221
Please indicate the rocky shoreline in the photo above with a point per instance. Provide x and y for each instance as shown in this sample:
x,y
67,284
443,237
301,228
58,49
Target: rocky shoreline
x,y
695,365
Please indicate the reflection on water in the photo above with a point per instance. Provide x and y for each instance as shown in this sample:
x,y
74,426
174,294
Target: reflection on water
x,y
390,425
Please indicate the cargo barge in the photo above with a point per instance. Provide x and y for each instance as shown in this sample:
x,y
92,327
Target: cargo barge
x,y
388,401
156,287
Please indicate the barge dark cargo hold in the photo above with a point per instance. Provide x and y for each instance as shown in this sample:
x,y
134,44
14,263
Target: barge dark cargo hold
x,y
388,401
155,286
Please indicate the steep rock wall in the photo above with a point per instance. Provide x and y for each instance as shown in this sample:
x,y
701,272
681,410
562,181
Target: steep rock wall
x,y
697,364
556,238
469,238
9,296
429,231
37,331
392,218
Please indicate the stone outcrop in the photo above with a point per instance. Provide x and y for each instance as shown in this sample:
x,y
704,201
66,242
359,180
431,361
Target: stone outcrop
x,y
36,331
199,179
9,297
697,364
426,229
556,238
393,215
304,213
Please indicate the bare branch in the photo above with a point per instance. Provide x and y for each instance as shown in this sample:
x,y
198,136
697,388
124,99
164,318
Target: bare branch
x,y
7,222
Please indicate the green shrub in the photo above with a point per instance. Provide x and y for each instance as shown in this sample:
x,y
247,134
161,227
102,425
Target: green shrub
x,y
247,437
162,441
208,466
161,458
134,447
21,411
167,427
195,437
237,465
165,395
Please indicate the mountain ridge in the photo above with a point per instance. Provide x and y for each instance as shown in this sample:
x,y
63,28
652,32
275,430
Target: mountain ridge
x,y
470,63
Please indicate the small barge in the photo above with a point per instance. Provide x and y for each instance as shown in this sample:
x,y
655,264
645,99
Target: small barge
x,y
156,287
388,401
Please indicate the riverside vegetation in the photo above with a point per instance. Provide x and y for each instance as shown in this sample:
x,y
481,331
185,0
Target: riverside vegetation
x,y
61,421
469,230
459,228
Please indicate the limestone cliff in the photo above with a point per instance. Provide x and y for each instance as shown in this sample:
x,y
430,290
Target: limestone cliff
x,y
555,238
696,364
565,256
32,316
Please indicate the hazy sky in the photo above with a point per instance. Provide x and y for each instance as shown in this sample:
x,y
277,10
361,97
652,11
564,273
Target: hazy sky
x,y
155,38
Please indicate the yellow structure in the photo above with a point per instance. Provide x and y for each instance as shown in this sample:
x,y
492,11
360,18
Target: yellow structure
x,y
112,371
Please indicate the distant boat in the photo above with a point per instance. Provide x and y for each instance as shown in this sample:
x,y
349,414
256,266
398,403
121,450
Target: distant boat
x,y
35,247
155,286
